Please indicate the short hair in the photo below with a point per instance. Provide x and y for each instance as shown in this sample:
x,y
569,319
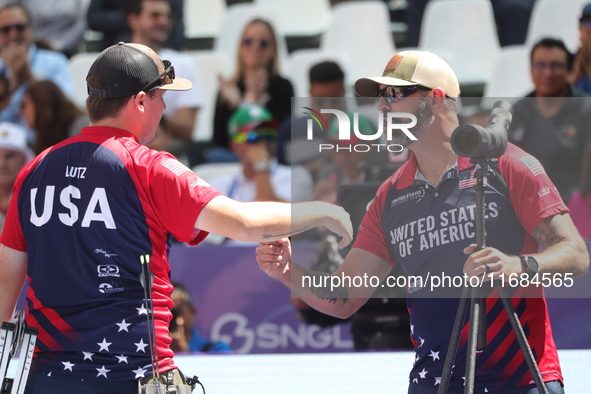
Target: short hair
x,y
553,43
99,108
21,7
326,71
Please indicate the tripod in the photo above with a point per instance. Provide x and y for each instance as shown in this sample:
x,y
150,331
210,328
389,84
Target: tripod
x,y
478,325
12,336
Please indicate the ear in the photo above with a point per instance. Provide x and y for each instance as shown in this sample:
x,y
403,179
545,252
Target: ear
x,y
139,101
438,98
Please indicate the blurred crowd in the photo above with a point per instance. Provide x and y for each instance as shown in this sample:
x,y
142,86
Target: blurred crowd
x,y
258,150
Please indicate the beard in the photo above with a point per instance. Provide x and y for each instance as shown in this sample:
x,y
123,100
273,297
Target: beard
x,y
424,121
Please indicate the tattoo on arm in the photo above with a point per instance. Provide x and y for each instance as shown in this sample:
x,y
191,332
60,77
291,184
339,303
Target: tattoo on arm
x,y
267,236
321,288
550,232
546,233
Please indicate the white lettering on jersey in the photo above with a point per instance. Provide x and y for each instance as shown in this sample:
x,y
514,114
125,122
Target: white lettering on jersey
x,y
47,206
75,172
99,197
97,200
65,198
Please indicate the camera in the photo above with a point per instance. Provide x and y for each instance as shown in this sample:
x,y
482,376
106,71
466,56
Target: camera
x,y
478,142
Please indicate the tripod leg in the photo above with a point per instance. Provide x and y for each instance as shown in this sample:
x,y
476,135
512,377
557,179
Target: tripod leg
x,y
520,334
476,313
452,349
24,364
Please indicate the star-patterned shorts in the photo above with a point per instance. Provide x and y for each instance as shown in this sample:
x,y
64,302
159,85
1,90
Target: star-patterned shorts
x,y
554,387
42,384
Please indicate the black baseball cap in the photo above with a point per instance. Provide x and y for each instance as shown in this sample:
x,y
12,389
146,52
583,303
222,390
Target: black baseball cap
x,y
127,69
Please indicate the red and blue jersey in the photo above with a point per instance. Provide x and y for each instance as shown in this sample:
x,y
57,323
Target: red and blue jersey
x,y
425,229
86,211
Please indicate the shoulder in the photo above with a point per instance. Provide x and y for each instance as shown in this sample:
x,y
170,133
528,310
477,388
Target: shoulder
x,y
517,159
46,55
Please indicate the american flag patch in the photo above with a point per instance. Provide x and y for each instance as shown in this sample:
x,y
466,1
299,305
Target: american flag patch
x,y
176,167
534,165
467,179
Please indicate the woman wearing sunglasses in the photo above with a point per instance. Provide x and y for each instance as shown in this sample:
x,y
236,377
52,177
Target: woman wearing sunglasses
x,y
256,80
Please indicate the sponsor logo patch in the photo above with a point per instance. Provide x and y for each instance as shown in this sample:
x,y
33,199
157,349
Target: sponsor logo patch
x,y
108,271
110,288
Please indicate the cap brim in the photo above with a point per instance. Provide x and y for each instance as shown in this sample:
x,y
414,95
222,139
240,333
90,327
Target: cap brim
x,y
368,87
178,84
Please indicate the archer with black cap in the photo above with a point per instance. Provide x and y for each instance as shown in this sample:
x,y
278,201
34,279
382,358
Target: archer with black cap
x,y
91,213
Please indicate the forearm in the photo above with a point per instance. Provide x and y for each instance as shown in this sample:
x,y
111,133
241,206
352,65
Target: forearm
x,y
564,249
566,256
269,221
321,291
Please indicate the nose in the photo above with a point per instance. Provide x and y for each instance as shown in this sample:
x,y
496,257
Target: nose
x,y
383,105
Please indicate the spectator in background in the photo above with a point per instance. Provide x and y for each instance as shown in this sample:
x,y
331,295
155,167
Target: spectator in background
x,y
553,123
14,154
151,22
581,75
185,337
110,18
326,90
252,132
256,81
22,62
51,115
58,25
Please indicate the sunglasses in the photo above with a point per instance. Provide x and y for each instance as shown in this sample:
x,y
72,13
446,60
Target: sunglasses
x,y
554,67
248,42
255,136
163,79
19,27
394,93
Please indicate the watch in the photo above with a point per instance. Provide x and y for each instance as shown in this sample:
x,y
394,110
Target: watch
x,y
530,265
262,166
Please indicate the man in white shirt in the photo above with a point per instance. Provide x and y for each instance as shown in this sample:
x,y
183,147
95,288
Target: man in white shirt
x,y
253,133
150,22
